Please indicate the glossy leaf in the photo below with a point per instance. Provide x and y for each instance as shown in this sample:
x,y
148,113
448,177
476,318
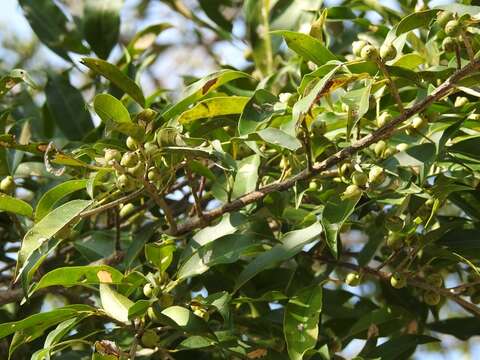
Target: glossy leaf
x,y
256,111
247,176
146,37
114,304
415,20
216,106
160,255
15,206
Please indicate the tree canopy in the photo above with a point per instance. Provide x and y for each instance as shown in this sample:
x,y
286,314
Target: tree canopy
x,y
319,200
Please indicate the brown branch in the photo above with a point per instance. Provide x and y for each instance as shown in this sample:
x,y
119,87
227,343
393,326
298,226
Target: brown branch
x,y
382,133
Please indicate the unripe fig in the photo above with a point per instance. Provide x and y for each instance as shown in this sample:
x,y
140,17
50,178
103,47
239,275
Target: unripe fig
x,y
131,143
124,183
148,290
376,175
126,210
383,119
129,159
398,280
419,122
313,185
353,279
357,47
389,152
146,115
150,338
7,185
395,241
359,178
444,17
435,280
153,175
394,223
319,128
448,44
137,170
351,191
345,169
460,101
150,148
388,52
453,28
111,155
431,298
380,148
369,52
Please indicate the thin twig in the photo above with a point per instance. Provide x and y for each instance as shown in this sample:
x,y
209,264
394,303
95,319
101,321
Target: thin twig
x,y
468,45
391,84
110,205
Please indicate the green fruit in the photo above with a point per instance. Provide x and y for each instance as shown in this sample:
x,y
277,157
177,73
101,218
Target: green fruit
x,y
376,175
357,47
7,185
353,279
359,178
383,119
131,143
398,280
379,148
111,155
431,298
389,152
151,314
129,159
448,44
352,191
200,312
312,185
150,338
395,241
153,175
369,52
453,28
124,183
461,101
419,122
146,115
444,17
126,210
319,128
137,170
150,148
345,170
435,280
394,223
388,52
148,290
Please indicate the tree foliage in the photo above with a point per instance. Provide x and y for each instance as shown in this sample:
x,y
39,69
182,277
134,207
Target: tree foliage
x,y
327,193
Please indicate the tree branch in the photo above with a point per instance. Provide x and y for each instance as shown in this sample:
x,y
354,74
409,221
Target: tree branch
x,y
382,133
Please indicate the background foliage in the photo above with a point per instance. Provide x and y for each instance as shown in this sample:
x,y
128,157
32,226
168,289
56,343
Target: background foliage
x,y
317,200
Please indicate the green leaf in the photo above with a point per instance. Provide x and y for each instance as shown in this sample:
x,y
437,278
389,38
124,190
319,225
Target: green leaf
x,y
115,115
216,106
280,138
80,275
52,27
200,89
300,324
306,46
48,227
336,212
400,347
145,38
54,195
224,250
14,77
247,176
462,328
114,304
101,25
160,255
257,110
14,205
376,317
415,20
183,319
291,244
116,77
67,107
469,147
46,319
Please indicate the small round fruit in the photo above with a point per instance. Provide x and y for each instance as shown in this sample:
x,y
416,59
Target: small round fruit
x,y
313,185
395,241
419,122
153,175
380,148
398,280
369,52
357,47
150,148
359,178
7,185
129,159
394,223
388,52
448,44
124,183
453,28
435,280
111,155
148,290
444,17
345,170
389,152
353,279
137,170
150,338
431,298
146,115
383,119
351,191
376,175
461,101
131,143
200,312
319,128
126,210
